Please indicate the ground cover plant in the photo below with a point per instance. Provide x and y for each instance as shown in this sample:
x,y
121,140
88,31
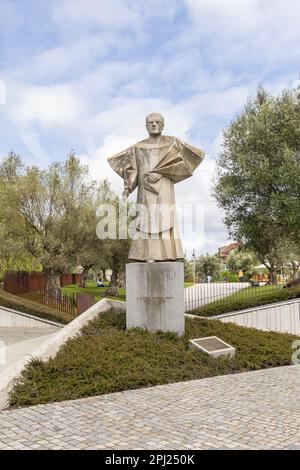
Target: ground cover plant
x,y
106,358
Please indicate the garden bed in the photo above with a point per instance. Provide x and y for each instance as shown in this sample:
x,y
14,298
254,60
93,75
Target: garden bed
x,y
106,358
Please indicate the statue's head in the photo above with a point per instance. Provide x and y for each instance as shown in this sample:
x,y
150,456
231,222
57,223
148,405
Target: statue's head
x,y
155,123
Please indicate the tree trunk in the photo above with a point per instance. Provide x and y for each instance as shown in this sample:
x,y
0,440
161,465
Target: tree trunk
x,y
113,290
84,276
104,278
295,271
53,281
272,275
122,280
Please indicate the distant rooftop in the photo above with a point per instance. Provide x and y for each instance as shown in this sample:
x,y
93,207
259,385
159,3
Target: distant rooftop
x,y
224,251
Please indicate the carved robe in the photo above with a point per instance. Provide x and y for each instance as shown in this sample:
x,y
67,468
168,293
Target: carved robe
x,y
174,161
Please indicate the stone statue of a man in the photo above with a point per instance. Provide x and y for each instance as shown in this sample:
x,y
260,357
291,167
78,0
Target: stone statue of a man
x,y
154,165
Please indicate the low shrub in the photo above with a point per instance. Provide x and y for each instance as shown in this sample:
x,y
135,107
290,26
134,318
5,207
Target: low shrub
x,y
106,358
226,276
235,302
33,308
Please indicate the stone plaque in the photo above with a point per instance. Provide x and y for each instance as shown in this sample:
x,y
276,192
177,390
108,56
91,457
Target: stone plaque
x,y
213,346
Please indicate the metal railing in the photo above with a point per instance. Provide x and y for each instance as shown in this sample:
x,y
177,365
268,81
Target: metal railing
x,y
202,294
57,300
30,287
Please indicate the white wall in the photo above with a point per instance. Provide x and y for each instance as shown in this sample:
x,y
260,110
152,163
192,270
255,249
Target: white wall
x,y
283,317
13,319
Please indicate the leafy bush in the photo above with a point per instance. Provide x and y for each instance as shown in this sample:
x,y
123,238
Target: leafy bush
x,y
226,276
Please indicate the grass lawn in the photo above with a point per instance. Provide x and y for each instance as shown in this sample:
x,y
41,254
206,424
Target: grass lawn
x,y
248,297
99,292
22,304
106,358
91,288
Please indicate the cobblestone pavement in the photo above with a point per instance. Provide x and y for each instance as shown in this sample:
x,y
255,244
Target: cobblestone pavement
x,y
254,410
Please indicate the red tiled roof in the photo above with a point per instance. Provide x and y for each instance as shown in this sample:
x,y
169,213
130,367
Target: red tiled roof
x,y
225,250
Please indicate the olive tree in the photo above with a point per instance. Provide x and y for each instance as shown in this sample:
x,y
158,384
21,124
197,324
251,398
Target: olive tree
x,y
258,176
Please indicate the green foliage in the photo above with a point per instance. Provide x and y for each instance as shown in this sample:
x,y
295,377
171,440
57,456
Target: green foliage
x,y
51,215
106,358
208,265
11,168
116,251
241,261
246,298
91,288
258,176
188,270
226,276
28,306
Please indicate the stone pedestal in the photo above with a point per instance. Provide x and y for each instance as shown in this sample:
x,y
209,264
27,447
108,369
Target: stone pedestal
x,y
155,296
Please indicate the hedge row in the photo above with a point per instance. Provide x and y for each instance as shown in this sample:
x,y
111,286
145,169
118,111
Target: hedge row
x,y
232,305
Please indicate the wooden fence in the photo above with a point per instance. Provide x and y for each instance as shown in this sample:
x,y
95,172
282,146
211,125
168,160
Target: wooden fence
x,y
33,286
21,282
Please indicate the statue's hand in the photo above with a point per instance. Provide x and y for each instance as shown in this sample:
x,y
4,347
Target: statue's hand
x,y
152,178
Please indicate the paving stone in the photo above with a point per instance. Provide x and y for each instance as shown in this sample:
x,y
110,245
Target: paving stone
x,y
253,410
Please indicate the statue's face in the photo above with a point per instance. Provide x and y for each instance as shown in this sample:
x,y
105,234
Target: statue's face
x,y
154,125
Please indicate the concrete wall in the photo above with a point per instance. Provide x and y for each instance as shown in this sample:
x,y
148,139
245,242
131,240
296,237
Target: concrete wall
x,y
12,319
283,317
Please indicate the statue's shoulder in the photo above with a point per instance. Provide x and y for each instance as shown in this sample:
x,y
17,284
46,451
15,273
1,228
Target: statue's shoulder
x,y
169,139
166,139
123,154
141,143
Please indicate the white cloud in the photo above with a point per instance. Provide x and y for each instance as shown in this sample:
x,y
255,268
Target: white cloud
x,y
2,92
254,31
233,17
105,13
11,17
97,159
49,106
72,57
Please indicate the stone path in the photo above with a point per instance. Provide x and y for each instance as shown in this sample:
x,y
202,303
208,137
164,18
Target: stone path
x,y
254,410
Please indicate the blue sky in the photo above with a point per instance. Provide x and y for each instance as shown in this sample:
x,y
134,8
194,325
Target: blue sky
x,y
83,74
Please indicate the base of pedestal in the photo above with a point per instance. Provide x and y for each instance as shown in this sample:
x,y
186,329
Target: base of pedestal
x,y
155,296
